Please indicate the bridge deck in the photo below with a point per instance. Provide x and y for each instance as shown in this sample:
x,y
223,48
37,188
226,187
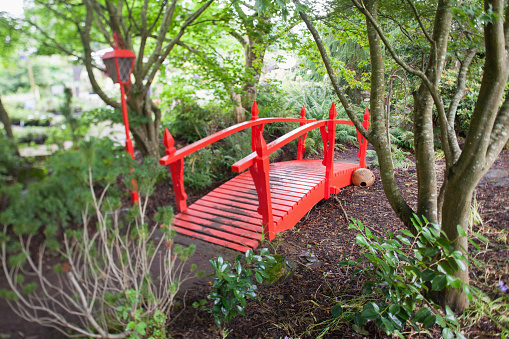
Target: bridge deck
x,y
228,215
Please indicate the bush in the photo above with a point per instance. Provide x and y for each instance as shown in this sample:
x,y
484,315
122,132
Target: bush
x,y
116,275
233,283
10,162
50,204
398,281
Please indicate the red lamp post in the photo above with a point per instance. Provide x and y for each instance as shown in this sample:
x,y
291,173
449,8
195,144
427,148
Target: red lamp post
x,y
119,65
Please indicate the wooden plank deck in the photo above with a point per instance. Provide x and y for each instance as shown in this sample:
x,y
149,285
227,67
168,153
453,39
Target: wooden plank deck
x,y
228,215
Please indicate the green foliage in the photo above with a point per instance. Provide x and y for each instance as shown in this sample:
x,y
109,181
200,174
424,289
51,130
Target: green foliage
x,y
467,104
233,283
60,197
398,281
139,324
399,157
10,162
25,117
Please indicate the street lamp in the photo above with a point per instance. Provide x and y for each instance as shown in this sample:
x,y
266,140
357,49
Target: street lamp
x,y
119,65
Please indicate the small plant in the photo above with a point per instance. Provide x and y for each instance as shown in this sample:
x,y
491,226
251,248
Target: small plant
x,y
398,282
233,283
140,325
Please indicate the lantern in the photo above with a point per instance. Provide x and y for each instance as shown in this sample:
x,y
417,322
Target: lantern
x,y
119,65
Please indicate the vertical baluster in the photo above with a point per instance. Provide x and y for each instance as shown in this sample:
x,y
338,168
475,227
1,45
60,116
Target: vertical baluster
x,y
254,130
363,143
329,152
177,172
302,139
260,173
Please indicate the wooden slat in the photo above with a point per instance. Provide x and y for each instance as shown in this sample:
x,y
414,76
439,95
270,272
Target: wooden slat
x,y
253,195
256,221
204,222
191,213
213,240
232,204
212,232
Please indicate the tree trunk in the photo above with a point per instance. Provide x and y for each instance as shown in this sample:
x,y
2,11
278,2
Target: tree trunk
x,y
379,123
238,110
254,53
457,202
4,118
423,117
146,135
487,134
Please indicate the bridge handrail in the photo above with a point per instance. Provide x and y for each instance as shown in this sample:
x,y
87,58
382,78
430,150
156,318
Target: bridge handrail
x,y
249,160
195,146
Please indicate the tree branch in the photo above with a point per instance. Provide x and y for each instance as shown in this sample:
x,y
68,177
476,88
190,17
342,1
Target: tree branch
x,y
167,49
423,29
339,92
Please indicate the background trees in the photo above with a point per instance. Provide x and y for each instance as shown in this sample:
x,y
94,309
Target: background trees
x,y
448,204
151,30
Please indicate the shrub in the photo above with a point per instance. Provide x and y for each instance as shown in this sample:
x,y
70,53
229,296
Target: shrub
x,y
51,203
116,275
233,283
398,282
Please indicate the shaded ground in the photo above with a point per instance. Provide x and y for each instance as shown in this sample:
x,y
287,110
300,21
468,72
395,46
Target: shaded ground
x,y
300,306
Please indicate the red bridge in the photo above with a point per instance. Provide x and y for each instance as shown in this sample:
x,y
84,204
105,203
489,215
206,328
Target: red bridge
x,y
269,198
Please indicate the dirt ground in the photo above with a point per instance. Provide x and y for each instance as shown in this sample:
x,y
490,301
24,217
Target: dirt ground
x,y
300,306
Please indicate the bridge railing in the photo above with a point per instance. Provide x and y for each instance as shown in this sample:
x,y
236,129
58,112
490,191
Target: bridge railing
x,y
175,158
258,161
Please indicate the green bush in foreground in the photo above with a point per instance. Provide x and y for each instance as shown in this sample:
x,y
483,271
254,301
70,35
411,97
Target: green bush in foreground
x,y
398,281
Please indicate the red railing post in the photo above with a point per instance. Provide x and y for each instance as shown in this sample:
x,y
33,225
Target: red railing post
x,y
177,172
260,173
254,129
329,143
363,143
302,139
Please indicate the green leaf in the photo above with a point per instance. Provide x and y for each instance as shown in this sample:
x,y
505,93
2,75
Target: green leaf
x,y
429,321
396,321
404,240
140,328
453,282
29,288
336,311
440,321
482,238
461,231
407,233
361,240
449,315
444,268
447,333
368,233
428,275
474,244
439,283
468,292
371,311
422,314
388,325
258,277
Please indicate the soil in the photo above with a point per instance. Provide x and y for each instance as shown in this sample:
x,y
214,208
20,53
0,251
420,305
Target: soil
x,y
300,306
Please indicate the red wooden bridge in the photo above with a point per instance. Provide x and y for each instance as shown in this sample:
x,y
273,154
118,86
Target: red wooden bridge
x,y
269,198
